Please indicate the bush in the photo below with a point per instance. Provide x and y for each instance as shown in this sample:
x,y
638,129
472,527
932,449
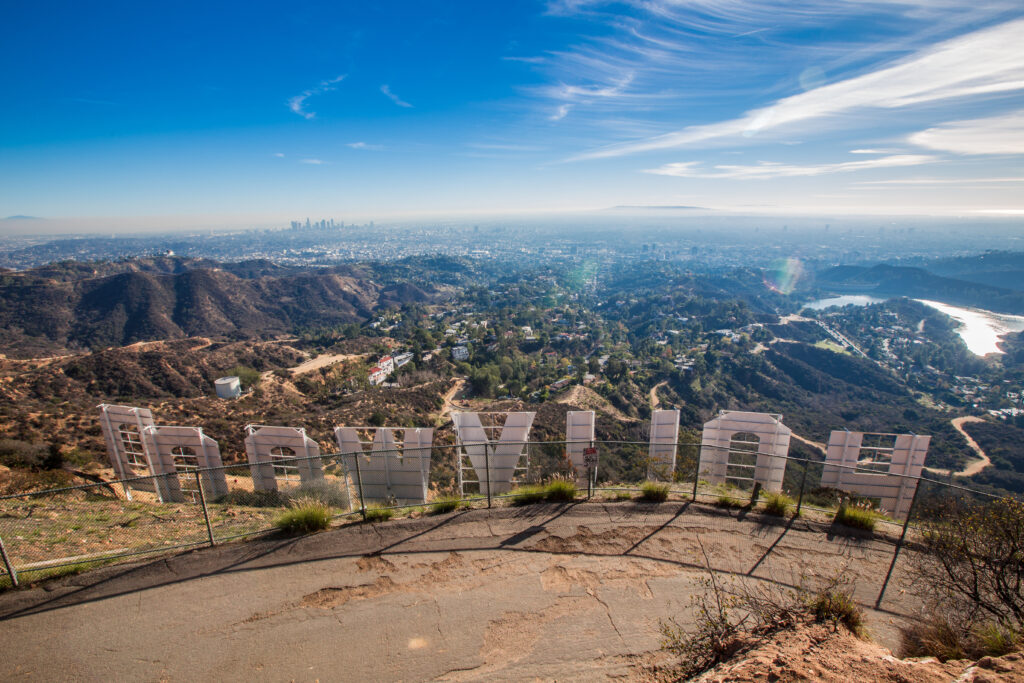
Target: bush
x,y
560,491
653,492
15,453
936,635
528,495
443,505
622,495
304,516
378,513
247,376
327,492
856,516
835,606
778,504
729,496
970,580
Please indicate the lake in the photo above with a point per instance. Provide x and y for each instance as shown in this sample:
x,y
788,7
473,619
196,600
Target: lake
x,y
981,330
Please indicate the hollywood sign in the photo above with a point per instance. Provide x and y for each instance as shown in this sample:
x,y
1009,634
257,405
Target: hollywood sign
x,y
392,464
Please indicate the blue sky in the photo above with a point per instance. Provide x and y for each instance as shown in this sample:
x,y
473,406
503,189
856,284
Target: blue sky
x,y
133,115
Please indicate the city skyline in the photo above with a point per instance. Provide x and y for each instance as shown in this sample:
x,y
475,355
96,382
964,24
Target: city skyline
x,y
135,117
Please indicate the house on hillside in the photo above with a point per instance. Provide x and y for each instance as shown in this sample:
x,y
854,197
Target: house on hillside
x,y
377,375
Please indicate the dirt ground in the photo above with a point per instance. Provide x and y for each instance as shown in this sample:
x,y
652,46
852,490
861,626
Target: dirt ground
x,y
552,592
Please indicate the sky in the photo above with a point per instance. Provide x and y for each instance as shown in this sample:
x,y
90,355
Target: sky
x,y
134,115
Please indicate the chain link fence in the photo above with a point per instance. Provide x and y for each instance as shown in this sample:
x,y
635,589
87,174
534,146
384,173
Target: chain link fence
x,y
65,530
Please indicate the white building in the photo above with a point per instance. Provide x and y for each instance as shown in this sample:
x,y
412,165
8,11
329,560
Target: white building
x,y
377,375
460,353
228,387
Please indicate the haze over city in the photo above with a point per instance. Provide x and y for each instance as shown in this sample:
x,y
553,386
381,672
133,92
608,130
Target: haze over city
x,y
129,117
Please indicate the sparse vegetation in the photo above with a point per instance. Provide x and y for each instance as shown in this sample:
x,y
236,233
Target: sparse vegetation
x,y
654,492
305,515
446,504
971,579
778,504
856,516
732,616
378,513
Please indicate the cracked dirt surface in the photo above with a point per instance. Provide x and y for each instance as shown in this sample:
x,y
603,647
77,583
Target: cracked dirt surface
x,y
571,592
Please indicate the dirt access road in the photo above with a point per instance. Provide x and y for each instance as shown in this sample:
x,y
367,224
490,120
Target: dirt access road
x,y
567,592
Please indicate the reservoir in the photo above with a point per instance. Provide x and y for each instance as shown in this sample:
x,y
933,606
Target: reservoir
x,y
981,330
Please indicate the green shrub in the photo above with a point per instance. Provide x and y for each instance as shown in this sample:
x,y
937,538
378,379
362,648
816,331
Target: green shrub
x,y
623,495
304,516
446,504
378,513
560,491
528,495
778,504
653,492
836,606
856,516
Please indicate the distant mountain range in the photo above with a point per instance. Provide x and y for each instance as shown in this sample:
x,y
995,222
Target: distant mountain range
x,y
74,305
886,280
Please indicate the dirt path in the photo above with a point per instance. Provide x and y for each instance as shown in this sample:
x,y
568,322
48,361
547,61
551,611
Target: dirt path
x,y
655,401
322,361
585,397
448,397
813,444
545,592
983,460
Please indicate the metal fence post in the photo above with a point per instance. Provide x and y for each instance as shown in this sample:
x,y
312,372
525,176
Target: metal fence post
x,y
696,476
359,485
487,464
7,563
206,512
800,498
899,544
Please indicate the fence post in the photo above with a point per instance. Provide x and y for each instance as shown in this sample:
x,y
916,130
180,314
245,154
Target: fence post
x,y
800,498
696,476
359,485
487,464
7,563
899,544
206,513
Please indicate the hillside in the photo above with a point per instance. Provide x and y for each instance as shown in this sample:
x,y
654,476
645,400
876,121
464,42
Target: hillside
x,y
885,280
72,306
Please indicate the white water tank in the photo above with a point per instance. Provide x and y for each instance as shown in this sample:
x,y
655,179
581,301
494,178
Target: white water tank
x,y
228,387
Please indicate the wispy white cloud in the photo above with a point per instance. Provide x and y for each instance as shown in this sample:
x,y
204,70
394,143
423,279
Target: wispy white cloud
x,y
505,147
766,169
364,145
313,162
386,89
873,151
279,155
573,95
941,181
525,60
993,135
297,104
561,112
984,62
